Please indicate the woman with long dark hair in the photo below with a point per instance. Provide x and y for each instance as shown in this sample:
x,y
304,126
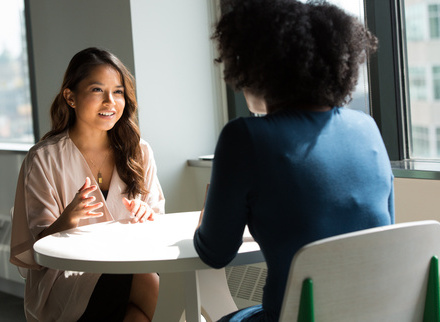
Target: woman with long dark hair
x,y
92,166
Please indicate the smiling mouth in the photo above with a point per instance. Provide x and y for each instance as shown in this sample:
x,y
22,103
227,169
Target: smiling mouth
x,y
106,113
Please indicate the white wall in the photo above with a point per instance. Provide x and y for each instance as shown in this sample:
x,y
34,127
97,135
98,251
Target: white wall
x,y
416,199
180,106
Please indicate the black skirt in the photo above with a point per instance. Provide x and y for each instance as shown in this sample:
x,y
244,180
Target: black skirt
x,y
109,299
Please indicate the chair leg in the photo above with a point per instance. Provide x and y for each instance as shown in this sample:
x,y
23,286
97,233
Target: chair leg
x,y
306,307
432,302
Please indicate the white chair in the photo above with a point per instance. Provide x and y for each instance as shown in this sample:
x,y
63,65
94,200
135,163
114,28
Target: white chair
x,y
378,274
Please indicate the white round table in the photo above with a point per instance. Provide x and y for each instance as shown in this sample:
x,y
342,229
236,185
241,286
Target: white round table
x,y
165,246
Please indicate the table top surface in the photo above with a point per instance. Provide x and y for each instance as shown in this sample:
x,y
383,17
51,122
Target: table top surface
x,y
164,245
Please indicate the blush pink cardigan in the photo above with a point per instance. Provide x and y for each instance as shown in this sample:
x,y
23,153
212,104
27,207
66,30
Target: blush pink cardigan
x,y
50,176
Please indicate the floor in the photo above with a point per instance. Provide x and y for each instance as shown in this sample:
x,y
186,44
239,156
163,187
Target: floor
x,y
11,308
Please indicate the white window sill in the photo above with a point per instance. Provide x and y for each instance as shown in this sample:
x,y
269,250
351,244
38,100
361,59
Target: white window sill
x,y
15,147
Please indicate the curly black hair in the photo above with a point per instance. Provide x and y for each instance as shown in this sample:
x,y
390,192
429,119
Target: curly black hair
x,y
292,53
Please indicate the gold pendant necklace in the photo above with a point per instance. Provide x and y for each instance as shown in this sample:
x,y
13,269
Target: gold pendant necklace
x,y
99,169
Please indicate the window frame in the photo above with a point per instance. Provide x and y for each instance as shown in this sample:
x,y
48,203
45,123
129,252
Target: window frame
x,y
389,89
387,76
24,147
31,63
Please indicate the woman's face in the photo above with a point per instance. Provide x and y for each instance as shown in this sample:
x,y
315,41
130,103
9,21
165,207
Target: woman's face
x,y
98,100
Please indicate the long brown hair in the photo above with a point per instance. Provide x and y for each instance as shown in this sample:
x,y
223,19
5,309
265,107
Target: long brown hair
x,y
125,135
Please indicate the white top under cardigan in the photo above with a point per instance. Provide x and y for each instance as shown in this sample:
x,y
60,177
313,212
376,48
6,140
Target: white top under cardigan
x,y
52,173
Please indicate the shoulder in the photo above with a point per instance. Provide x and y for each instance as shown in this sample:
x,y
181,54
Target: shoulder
x,y
237,128
235,140
354,115
48,154
356,121
147,151
51,146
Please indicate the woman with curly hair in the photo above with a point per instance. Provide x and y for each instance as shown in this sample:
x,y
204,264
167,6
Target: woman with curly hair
x,y
309,168
91,167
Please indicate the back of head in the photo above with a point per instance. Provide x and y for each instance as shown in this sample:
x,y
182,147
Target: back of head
x,y
292,53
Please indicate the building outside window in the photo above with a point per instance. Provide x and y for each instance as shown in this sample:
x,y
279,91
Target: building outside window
x,y
437,137
423,61
421,141
436,81
434,20
417,82
416,28
16,124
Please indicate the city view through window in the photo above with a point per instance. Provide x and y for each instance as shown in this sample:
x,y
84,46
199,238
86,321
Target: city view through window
x,y
422,25
15,99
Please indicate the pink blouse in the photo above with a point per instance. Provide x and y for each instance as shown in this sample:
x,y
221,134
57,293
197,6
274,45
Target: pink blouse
x,y
50,176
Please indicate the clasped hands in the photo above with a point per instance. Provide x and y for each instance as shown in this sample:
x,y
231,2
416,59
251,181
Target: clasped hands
x,y
82,206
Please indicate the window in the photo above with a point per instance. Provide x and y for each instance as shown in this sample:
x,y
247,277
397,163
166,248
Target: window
x,y
434,20
417,82
437,137
420,137
16,118
405,82
416,22
436,82
424,82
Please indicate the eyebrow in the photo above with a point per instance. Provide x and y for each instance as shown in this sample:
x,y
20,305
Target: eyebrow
x,y
101,84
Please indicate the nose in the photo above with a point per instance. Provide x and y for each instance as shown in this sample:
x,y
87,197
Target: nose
x,y
109,99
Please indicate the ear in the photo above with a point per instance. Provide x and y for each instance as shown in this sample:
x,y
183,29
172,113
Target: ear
x,y
69,97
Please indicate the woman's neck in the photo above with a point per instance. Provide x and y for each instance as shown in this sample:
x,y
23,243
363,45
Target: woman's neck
x,y
299,107
89,140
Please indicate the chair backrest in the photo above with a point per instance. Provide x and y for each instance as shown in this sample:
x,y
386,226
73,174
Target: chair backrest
x,y
378,274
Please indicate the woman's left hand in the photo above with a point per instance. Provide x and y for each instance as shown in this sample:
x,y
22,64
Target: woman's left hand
x,y
139,210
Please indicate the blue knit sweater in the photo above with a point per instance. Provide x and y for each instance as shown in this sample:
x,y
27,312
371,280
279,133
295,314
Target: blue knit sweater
x,y
293,177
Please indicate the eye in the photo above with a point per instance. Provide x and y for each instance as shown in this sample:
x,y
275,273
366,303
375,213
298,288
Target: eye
x,y
96,89
119,91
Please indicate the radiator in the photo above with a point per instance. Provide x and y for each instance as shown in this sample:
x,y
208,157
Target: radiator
x,y
246,283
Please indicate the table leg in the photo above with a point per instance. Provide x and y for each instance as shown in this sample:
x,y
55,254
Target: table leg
x,y
178,294
192,297
171,302
191,293
215,297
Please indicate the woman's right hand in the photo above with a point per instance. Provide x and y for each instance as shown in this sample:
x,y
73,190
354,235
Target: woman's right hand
x,y
81,206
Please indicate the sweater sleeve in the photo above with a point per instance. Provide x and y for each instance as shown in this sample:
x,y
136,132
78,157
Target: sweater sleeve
x,y
391,202
226,209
